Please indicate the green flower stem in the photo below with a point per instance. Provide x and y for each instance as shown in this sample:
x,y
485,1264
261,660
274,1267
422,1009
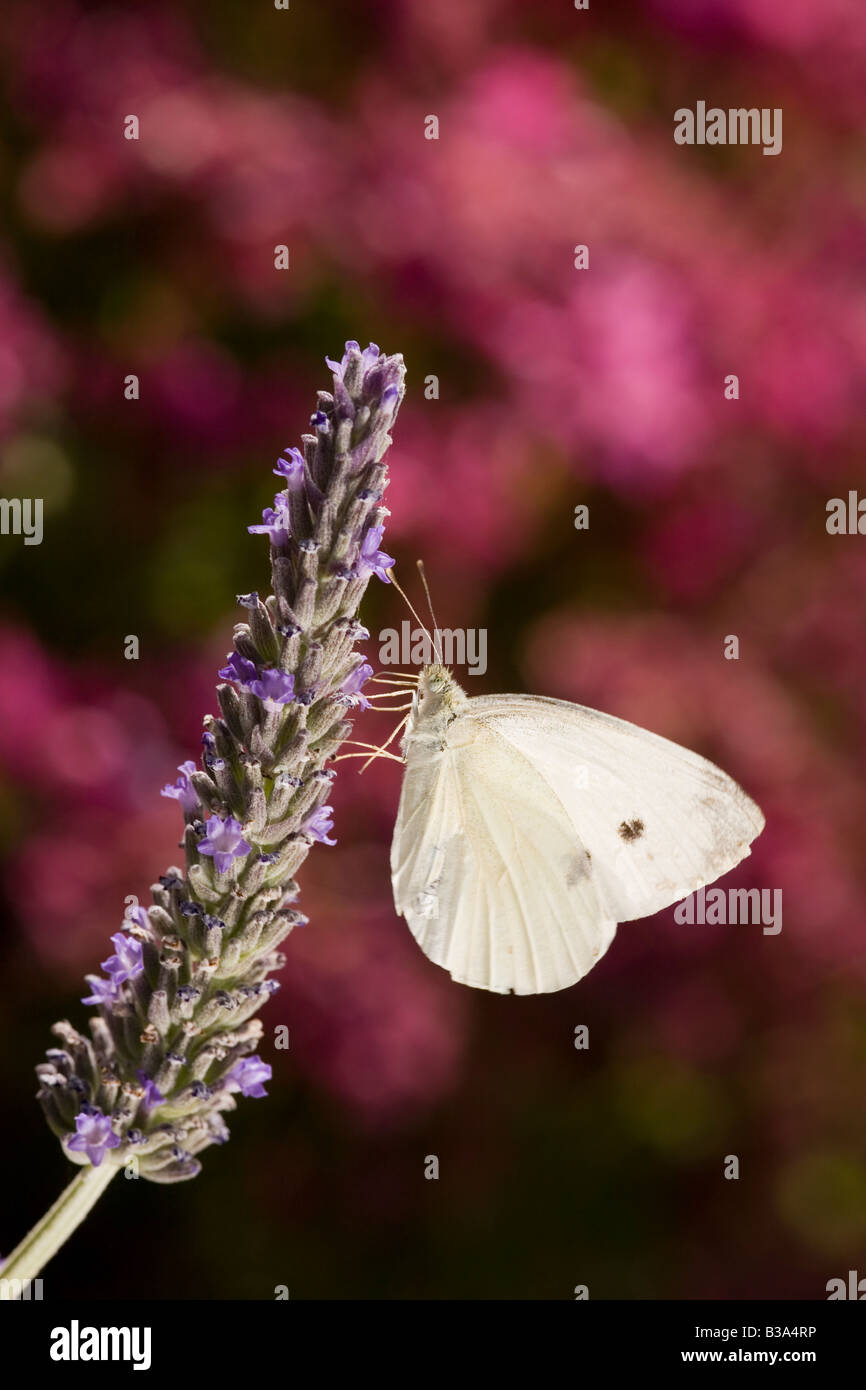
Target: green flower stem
x,y
57,1225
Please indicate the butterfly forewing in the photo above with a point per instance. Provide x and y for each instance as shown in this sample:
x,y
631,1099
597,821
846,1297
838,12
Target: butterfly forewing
x,y
657,820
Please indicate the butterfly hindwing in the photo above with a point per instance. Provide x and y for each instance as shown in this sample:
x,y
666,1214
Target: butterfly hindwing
x,y
487,869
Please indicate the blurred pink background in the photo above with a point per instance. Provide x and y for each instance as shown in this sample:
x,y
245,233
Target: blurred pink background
x,y
557,387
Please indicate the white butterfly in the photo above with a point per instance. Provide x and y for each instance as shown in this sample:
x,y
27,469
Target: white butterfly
x,y
529,827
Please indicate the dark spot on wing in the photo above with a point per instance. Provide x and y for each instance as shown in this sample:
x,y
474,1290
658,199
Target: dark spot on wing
x,y
631,830
577,869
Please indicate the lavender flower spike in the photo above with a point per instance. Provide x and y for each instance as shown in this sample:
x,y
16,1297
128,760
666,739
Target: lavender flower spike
x,y
168,1050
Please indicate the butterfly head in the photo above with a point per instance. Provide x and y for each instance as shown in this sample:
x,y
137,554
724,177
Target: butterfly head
x,y
437,700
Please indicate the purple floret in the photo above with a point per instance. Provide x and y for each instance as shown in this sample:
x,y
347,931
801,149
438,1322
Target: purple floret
x,y
183,789
372,560
291,467
127,961
319,824
224,841
93,1136
352,685
152,1094
239,669
247,1076
275,522
274,688
104,991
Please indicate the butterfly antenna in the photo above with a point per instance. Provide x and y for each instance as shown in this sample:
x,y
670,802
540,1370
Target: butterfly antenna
x,y
420,564
432,637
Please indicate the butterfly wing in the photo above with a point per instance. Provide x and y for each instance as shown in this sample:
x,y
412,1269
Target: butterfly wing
x,y
657,820
488,871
